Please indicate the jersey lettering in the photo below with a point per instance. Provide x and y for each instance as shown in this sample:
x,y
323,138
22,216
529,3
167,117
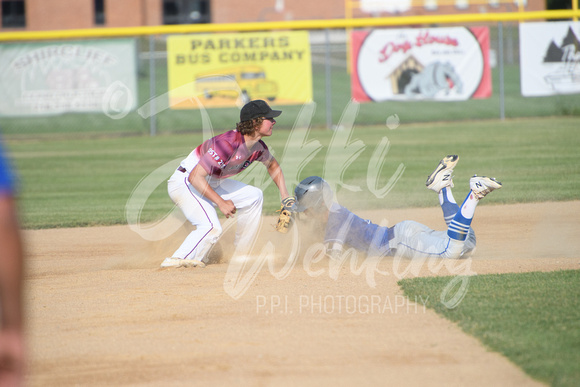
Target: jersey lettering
x,y
226,154
217,158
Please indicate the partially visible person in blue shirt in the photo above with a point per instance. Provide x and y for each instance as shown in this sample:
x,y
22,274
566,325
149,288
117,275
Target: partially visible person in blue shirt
x,y
6,175
12,357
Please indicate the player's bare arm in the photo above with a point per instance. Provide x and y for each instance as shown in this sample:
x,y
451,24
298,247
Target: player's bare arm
x,y
11,321
277,176
10,265
197,178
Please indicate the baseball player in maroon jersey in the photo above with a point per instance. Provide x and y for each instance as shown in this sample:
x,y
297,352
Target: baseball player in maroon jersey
x,y
202,182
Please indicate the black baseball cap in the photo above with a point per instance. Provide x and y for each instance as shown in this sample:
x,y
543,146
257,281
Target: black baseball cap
x,y
257,108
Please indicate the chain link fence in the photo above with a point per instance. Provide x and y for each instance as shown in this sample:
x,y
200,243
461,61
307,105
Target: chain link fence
x,y
331,94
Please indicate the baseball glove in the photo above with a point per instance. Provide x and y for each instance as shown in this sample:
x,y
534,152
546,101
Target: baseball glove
x,y
286,217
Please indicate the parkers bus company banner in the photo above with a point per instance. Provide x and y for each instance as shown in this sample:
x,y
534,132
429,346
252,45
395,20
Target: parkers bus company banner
x,y
446,64
226,70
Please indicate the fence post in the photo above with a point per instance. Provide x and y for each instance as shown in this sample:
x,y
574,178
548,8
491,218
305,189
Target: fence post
x,y
327,71
500,68
152,90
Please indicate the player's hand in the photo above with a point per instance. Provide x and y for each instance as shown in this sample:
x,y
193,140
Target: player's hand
x,y
11,358
228,208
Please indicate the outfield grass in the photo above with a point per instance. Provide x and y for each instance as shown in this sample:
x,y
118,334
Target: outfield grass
x,y
87,181
532,318
376,113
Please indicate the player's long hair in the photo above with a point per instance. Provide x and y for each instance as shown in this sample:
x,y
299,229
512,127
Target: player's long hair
x,y
250,126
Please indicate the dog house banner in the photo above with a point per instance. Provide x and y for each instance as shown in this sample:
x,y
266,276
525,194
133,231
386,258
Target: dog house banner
x,y
549,58
444,64
227,70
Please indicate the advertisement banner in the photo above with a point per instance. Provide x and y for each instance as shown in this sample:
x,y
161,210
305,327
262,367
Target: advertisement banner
x,y
549,58
444,64
73,76
226,70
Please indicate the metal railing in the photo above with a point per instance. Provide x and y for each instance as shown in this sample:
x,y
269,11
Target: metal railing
x,y
293,25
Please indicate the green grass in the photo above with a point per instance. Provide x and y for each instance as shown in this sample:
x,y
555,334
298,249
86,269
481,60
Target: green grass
x,y
69,182
532,318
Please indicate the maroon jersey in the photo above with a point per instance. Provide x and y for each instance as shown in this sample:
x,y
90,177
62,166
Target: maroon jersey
x,y
226,155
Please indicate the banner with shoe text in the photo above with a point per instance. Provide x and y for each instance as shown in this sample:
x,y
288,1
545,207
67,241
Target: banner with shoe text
x,y
444,64
46,78
227,70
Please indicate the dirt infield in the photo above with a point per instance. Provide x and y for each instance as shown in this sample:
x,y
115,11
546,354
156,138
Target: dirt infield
x,y
101,312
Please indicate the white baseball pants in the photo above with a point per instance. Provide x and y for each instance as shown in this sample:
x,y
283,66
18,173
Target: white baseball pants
x,y
415,240
202,214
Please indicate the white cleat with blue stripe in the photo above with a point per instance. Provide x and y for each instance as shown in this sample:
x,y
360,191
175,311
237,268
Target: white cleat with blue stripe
x,y
482,185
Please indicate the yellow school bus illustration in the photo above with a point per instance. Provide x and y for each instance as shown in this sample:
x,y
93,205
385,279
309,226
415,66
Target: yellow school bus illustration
x,y
247,82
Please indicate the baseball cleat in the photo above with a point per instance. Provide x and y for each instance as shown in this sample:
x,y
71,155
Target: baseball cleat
x,y
482,185
442,176
180,262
